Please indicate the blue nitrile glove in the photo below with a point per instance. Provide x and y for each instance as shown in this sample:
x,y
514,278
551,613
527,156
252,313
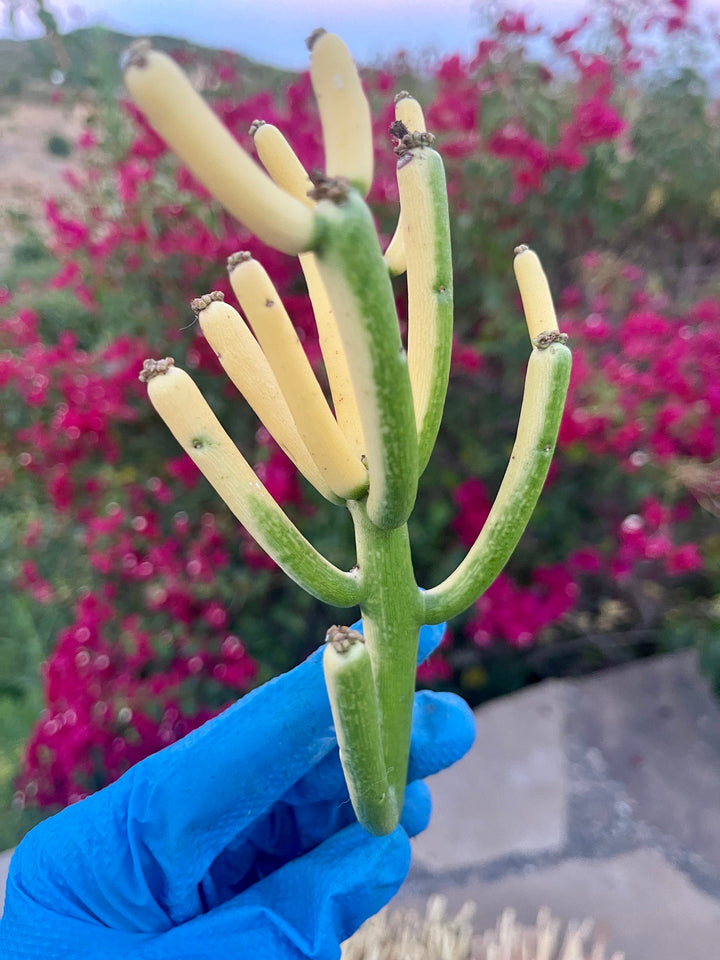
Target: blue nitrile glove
x,y
237,841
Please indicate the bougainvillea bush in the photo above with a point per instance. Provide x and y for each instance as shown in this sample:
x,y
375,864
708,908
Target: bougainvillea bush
x,y
155,610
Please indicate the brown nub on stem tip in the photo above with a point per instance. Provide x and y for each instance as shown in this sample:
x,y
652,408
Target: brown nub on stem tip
x,y
407,140
314,37
335,189
546,339
522,248
154,368
402,95
235,259
342,638
255,126
136,54
398,129
201,303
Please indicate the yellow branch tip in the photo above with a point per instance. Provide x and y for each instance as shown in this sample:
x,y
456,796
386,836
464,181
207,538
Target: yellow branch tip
x,y
199,138
535,294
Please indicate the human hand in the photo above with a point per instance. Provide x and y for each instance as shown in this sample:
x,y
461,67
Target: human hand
x,y
237,841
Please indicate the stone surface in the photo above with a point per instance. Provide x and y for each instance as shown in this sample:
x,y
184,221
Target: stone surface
x,y
507,796
4,865
641,904
652,729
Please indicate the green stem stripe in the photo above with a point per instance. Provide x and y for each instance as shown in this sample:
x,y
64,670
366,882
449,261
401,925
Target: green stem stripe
x,y
546,385
352,268
391,609
356,714
281,540
426,222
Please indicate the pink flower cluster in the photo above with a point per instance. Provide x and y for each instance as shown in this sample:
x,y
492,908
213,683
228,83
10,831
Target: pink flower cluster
x,y
649,536
515,613
81,399
114,694
646,383
531,151
594,120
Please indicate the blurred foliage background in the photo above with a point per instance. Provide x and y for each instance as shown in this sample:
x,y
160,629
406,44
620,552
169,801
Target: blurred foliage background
x,y
134,608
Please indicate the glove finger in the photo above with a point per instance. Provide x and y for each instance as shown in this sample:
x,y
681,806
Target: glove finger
x,y
279,732
430,637
443,732
305,909
324,782
29,930
416,808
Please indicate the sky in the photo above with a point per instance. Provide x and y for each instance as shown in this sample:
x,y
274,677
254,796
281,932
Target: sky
x,y
273,31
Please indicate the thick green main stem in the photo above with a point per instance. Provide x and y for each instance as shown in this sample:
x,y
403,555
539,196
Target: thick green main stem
x,y
391,608
356,279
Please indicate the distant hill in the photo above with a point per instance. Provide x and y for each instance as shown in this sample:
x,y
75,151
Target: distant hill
x,y
89,58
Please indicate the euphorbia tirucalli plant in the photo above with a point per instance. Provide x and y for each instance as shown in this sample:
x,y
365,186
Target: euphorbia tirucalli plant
x,y
367,452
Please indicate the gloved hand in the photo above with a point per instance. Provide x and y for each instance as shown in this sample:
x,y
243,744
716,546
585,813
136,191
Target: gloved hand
x,y
238,841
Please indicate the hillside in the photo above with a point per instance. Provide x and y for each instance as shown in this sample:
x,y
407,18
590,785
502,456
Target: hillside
x,y
89,57
38,128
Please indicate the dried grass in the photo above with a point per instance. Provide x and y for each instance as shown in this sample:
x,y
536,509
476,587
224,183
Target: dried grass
x,y
406,935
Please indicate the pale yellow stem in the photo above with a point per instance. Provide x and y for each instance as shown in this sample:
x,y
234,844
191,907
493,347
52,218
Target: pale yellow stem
x,y
426,233
186,412
341,468
182,118
394,255
409,112
247,367
281,162
419,241
334,357
535,293
344,111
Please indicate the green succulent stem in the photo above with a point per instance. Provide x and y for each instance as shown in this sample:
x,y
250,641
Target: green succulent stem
x,y
426,226
391,609
392,401
353,701
351,265
546,386
282,541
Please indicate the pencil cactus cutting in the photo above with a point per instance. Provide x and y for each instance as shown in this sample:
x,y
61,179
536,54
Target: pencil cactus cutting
x,y
366,450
